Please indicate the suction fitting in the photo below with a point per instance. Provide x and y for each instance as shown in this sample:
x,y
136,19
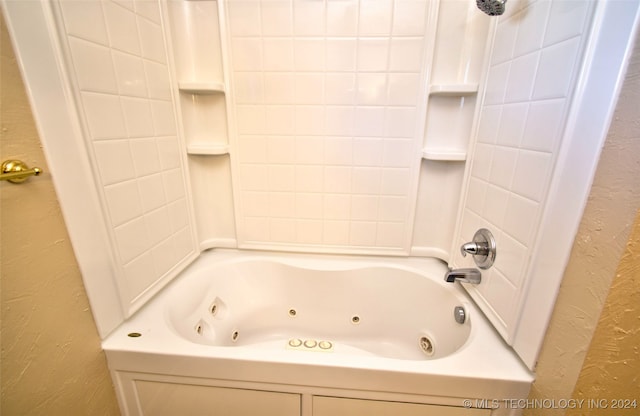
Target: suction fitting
x,y
491,7
426,345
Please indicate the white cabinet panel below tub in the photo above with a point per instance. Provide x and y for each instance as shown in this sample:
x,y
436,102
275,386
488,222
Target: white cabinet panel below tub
x,y
169,399
336,406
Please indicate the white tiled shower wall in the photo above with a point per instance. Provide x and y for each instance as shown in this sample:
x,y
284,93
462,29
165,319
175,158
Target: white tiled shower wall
x,y
328,105
121,79
328,101
533,69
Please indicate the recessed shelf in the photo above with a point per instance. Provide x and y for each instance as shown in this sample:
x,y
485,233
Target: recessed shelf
x,y
201,87
208,149
453,89
444,155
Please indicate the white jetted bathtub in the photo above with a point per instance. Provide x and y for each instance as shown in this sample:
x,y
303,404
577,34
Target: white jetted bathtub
x,y
241,334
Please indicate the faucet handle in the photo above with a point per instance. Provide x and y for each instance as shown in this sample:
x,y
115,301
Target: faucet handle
x,y
468,248
482,248
474,249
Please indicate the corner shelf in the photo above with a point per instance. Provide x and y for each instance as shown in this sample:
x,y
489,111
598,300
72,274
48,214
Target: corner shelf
x,y
204,118
201,88
208,149
444,155
453,90
194,31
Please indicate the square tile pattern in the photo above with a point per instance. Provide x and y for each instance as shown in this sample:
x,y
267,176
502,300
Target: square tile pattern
x,y
534,66
327,96
121,75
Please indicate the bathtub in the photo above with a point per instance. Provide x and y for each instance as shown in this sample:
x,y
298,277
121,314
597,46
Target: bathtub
x,y
263,334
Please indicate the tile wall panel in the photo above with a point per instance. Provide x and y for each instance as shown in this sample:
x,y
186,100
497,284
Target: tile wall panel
x,y
327,101
534,65
121,74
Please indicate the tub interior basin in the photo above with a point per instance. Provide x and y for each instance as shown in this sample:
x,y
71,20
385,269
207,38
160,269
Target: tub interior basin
x,y
377,310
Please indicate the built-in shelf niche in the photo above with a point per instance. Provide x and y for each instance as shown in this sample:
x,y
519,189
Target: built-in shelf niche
x,y
202,90
449,118
205,118
448,125
456,71
195,36
444,155
449,113
453,90
436,205
211,184
208,149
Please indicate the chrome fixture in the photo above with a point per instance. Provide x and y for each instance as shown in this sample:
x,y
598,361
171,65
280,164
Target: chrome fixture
x,y
459,314
482,248
491,7
471,275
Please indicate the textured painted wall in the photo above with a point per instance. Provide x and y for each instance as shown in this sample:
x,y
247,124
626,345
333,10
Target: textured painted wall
x,y
610,370
599,245
51,360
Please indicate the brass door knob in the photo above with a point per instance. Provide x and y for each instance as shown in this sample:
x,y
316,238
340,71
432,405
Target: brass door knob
x,y
16,171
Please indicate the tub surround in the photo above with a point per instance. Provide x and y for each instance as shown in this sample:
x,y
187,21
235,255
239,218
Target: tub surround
x,y
510,160
601,270
483,367
327,122
156,195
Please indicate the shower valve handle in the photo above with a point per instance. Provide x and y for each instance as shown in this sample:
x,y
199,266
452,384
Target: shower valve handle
x,y
482,248
475,249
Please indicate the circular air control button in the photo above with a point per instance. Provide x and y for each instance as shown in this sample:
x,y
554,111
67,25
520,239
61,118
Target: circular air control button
x,y
325,345
295,342
310,343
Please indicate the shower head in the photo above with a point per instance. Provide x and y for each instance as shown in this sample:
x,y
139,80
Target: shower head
x,y
491,7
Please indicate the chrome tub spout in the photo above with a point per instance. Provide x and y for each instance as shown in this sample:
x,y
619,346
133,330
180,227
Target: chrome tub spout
x,y
470,275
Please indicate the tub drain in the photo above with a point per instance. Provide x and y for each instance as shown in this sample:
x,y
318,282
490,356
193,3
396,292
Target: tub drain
x,y
234,336
426,346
